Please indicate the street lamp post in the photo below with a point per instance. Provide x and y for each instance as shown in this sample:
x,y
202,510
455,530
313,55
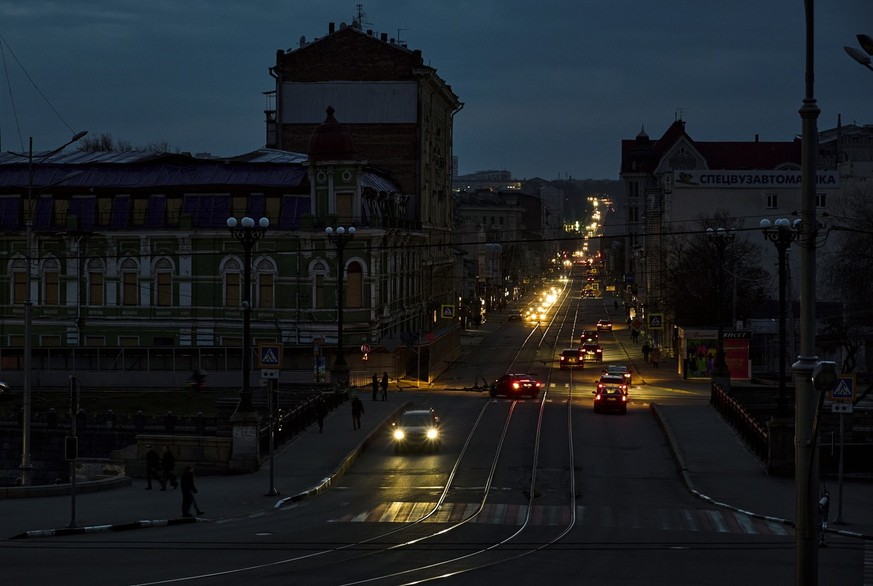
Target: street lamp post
x,y
247,233
781,234
720,238
339,238
26,466
806,481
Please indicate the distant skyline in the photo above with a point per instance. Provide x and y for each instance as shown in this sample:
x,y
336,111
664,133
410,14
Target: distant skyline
x,y
550,89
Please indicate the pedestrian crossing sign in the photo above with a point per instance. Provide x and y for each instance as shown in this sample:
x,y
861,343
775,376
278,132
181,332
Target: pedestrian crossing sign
x,y
656,321
447,311
269,356
844,390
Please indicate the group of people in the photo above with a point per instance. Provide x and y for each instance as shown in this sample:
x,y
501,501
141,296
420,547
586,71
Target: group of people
x,y
383,384
161,469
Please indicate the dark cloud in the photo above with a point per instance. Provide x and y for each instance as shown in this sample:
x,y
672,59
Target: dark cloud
x,y
549,87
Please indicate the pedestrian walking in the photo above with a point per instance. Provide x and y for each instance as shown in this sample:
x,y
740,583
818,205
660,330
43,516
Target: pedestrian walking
x,y
656,357
357,411
189,489
384,386
646,350
320,413
153,467
375,385
168,465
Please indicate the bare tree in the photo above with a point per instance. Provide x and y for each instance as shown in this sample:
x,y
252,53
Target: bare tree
x,y
104,142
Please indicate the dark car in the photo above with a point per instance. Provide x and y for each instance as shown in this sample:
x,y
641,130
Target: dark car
x,y
592,352
588,336
571,357
416,429
619,370
516,385
610,397
514,315
604,325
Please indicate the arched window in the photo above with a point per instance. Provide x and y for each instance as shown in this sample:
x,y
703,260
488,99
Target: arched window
x,y
232,282
96,279
163,282
318,271
266,283
51,279
19,281
354,285
129,282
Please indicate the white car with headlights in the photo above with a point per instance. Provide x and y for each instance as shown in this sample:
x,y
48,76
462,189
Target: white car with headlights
x,y
416,429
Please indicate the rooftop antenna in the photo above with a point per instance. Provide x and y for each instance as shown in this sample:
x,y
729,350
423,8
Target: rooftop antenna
x,y
361,16
399,42
680,114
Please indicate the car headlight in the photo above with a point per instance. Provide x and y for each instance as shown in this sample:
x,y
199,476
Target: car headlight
x,y
432,433
398,434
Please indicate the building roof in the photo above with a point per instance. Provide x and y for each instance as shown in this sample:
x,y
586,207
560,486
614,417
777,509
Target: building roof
x,y
642,155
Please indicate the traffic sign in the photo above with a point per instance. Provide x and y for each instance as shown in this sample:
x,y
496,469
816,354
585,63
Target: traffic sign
x,y
269,373
269,356
365,348
656,321
447,311
844,389
841,407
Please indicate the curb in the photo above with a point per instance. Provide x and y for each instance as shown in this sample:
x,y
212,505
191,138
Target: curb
x,y
103,528
42,490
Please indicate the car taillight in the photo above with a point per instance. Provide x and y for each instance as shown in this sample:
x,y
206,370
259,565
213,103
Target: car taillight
x,y
516,386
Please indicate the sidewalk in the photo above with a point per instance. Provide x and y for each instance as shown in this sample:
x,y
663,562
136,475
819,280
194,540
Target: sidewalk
x,y
303,467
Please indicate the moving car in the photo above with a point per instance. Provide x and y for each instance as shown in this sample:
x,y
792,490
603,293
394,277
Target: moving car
x,y
612,380
514,315
416,429
516,385
604,325
610,398
571,357
619,370
592,352
588,336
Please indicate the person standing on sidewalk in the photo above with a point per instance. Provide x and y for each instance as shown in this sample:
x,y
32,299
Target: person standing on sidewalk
x,y
357,411
153,467
656,356
384,386
320,413
168,464
188,492
646,350
375,385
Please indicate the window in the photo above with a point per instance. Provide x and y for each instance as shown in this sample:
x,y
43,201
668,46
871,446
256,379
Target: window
x,y
771,201
52,281
354,286
95,283
128,341
129,283
163,289
163,283
265,283
19,281
820,200
344,208
633,214
232,290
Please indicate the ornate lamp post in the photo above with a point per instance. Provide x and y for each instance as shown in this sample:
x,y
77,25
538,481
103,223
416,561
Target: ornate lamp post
x,y
339,372
720,238
26,466
782,234
247,233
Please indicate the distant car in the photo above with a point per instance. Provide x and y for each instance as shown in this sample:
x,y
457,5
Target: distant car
x,y
516,385
612,380
588,336
571,357
416,429
588,294
610,398
592,352
514,315
604,325
619,370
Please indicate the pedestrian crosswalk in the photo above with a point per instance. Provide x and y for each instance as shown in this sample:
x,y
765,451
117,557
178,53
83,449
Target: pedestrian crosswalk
x,y
666,519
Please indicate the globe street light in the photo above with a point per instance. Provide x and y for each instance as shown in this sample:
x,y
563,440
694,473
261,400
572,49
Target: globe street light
x,y
862,57
247,233
339,372
781,233
26,466
720,238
